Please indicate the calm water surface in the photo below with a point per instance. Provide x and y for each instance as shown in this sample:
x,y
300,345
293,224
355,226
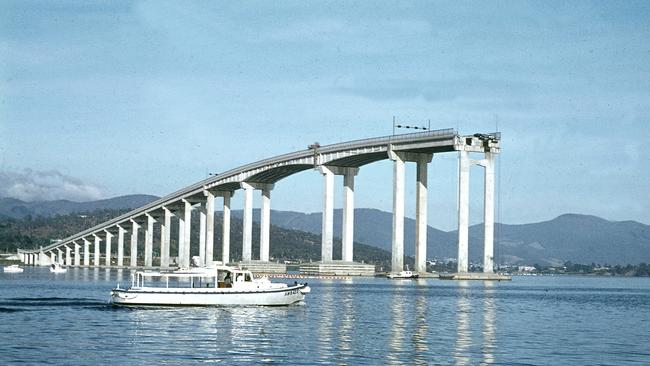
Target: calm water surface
x,y
65,319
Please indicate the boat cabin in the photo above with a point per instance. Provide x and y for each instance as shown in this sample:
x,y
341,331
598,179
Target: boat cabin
x,y
213,277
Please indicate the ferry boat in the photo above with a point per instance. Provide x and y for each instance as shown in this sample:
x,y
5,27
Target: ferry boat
x,y
57,268
206,286
14,268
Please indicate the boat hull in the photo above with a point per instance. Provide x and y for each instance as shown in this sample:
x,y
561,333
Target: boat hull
x,y
13,270
208,297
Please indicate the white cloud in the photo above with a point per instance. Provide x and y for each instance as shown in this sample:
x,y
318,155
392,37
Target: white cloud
x,y
30,185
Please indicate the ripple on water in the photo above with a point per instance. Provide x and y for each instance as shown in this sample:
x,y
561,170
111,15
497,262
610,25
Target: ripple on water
x,y
361,321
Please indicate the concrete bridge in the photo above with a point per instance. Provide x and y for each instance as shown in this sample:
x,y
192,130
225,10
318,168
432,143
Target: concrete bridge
x,y
96,246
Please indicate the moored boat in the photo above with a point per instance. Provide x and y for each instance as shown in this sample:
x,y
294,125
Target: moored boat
x,y
402,275
206,286
57,268
14,268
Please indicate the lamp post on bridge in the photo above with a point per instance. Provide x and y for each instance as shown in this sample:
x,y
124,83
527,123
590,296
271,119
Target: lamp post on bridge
x,y
396,124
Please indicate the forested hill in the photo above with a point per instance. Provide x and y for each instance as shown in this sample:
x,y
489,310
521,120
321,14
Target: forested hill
x,y
286,244
17,209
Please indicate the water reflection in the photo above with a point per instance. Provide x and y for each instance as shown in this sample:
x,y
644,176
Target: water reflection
x,y
347,319
325,323
396,341
489,316
75,273
119,276
419,337
463,331
95,274
464,348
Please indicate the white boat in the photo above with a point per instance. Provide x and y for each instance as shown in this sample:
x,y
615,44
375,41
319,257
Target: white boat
x,y
402,275
206,286
14,268
57,268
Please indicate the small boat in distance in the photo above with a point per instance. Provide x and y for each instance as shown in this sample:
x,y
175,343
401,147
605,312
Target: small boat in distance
x,y
206,286
403,274
14,268
57,268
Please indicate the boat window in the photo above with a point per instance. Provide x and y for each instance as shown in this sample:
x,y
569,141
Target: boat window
x,y
248,277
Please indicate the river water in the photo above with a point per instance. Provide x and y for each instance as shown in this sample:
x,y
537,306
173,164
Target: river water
x,y
65,319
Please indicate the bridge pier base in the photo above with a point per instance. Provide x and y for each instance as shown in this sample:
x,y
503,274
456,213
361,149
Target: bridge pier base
x,y
337,268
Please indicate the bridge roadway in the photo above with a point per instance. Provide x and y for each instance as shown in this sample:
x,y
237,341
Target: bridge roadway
x,y
338,159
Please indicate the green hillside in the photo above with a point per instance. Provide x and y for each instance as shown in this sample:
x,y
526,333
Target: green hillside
x,y
286,244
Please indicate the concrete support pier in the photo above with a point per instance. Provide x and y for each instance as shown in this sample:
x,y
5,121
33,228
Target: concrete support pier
x,y
59,258
328,215
108,249
86,252
77,254
184,235
165,236
247,235
97,251
347,234
488,214
120,246
421,225
209,227
265,222
463,211
397,261
225,234
68,256
134,244
202,232
148,242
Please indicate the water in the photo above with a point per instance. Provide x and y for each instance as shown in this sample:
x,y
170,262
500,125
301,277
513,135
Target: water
x,y
65,319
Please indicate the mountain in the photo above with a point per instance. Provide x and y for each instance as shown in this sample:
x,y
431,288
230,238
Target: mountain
x,y
16,209
569,237
573,237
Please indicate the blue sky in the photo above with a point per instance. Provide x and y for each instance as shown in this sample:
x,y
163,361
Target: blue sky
x,y
99,99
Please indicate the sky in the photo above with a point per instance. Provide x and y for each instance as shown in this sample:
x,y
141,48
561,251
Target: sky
x,y
101,99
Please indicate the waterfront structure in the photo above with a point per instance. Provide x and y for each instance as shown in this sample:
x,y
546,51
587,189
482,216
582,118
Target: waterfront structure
x,y
345,159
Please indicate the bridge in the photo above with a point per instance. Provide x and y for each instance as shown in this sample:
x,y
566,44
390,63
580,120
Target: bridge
x,y
343,159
